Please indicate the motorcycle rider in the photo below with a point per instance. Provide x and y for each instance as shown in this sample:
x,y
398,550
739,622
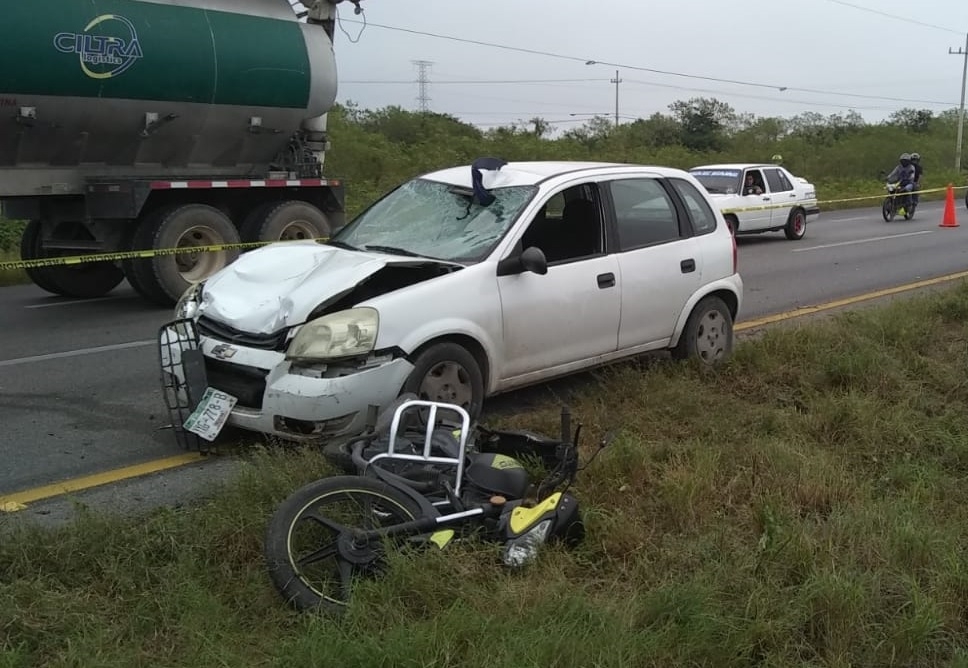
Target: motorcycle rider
x,y
903,173
918,171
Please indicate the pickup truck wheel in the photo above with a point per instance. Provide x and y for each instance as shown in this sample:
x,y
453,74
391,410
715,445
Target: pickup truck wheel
x,y
796,225
164,278
84,281
447,372
708,334
285,221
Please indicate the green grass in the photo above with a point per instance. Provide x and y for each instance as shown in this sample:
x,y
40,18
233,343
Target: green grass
x,y
804,506
10,231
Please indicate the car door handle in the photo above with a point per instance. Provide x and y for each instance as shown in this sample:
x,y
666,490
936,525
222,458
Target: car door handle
x,y
766,199
687,265
793,194
606,280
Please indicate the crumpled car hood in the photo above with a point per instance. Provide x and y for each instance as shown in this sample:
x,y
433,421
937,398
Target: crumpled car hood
x,y
279,285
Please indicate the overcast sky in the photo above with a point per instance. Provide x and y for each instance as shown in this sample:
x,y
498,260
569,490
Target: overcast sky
x,y
822,45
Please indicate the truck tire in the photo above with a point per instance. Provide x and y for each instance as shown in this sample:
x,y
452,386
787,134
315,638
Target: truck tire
x,y
163,279
285,221
83,281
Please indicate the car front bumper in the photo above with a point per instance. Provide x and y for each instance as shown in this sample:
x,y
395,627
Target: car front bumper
x,y
278,399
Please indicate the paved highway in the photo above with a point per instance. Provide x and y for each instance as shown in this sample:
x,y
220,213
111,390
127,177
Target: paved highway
x,y
79,387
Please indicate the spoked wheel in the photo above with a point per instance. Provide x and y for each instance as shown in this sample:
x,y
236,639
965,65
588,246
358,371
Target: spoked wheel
x,y
796,225
887,209
310,550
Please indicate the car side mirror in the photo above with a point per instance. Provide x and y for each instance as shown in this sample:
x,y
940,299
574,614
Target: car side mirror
x,y
531,259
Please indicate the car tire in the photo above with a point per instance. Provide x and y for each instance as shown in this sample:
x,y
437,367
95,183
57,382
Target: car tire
x,y
448,373
708,334
796,225
732,223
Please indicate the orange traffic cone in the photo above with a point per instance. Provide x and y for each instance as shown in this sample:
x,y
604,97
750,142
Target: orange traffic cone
x,y
948,220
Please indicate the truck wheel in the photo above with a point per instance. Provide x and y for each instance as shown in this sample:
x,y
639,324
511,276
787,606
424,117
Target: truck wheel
x,y
285,221
164,278
84,281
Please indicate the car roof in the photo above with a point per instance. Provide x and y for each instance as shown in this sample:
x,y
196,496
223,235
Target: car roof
x,y
530,173
735,165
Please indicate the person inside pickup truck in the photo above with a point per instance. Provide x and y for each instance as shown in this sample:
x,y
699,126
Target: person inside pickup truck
x,y
751,187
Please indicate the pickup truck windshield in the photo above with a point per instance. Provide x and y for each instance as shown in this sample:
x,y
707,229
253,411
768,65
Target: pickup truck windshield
x,y
436,220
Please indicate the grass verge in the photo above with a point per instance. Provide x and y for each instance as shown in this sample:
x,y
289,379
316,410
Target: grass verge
x,y
805,506
12,276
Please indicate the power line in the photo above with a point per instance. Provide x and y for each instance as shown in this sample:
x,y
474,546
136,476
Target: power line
x,y
423,68
892,16
561,56
470,81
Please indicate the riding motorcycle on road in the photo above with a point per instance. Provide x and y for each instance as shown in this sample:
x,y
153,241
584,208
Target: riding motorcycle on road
x,y
897,203
415,479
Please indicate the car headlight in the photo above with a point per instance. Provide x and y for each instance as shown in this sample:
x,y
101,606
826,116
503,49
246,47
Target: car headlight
x,y
347,333
187,305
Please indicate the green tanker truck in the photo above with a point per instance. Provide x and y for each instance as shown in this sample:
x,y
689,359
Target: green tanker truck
x,y
159,124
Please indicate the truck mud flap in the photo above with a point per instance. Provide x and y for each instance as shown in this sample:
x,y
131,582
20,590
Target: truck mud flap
x,y
183,379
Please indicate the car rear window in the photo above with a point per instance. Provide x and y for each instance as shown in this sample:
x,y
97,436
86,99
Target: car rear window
x,y
703,218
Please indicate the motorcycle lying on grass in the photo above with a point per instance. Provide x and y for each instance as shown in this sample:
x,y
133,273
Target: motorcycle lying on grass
x,y
897,203
408,486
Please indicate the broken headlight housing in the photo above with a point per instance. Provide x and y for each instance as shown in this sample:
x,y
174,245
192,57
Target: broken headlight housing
x,y
348,333
187,305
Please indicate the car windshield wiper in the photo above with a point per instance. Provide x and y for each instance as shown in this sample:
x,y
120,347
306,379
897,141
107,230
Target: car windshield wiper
x,y
393,250
340,244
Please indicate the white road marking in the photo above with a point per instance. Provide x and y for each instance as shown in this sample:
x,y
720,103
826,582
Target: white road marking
x,y
76,353
862,241
69,303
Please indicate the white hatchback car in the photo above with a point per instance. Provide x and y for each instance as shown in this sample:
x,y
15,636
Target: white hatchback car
x,y
464,283
757,198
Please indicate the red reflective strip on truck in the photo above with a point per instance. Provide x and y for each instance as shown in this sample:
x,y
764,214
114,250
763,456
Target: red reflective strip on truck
x,y
244,183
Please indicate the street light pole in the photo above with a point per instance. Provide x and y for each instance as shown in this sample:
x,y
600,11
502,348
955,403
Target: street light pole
x,y
963,52
617,81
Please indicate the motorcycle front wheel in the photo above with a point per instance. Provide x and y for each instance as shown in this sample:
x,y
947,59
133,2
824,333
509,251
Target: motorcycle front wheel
x,y
887,209
311,558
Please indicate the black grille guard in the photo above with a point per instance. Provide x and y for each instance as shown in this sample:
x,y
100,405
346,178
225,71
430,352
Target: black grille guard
x,y
183,379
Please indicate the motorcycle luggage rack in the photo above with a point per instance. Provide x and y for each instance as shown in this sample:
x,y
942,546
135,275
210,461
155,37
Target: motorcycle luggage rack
x,y
431,419
183,378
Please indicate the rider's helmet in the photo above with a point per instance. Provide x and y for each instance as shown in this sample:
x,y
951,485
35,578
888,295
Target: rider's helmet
x,y
905,159
777,158
915,157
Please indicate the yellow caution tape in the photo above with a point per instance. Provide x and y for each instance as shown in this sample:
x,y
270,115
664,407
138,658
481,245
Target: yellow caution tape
x,y
144,254
787,205
132,255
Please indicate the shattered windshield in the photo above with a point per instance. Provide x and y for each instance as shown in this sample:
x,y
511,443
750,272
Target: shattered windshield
x,y
436,220
718,181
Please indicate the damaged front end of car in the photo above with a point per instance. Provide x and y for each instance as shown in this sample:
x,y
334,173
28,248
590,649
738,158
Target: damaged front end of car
x,y
300,381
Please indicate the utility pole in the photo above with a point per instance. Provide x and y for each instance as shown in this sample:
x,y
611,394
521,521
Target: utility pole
x,y
617,81
423,68
963,52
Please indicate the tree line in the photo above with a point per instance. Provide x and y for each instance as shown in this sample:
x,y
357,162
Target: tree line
x,y
375,149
